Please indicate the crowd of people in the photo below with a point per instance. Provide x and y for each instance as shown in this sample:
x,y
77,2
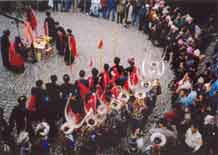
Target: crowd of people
x,y
191,124
194,99
125,12
37,120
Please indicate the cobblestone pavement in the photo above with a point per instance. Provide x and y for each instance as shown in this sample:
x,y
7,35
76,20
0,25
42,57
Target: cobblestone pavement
x,y
118,41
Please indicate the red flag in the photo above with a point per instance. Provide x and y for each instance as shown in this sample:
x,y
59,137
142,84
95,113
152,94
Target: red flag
x,y
100,44
91,63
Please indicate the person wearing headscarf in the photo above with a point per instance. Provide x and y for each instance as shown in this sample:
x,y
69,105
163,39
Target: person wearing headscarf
x,y
5,46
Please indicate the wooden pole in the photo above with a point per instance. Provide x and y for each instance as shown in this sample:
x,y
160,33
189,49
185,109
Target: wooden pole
x,y
100,58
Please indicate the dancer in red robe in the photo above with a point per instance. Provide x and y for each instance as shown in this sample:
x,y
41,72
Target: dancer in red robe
x,y
71,51
82,85
133,72
105,77
93,80
15,59
116,70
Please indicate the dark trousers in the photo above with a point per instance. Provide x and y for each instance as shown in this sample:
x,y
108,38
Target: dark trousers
x,y
104,12
141,22
186,150
120,18
5,59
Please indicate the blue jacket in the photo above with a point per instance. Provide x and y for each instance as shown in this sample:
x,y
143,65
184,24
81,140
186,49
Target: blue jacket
x,y
143,11
214,88
188,100
111,4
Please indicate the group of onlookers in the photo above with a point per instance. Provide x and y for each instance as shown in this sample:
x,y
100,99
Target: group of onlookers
x,y
123,11
195,86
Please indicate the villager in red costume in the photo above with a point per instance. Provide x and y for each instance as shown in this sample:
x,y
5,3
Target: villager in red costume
x,y
61,39
133,72
105,77
116,70
134,79
93,80
82,85
15,59
71,51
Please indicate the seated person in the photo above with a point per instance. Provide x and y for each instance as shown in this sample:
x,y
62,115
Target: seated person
x,y
15,59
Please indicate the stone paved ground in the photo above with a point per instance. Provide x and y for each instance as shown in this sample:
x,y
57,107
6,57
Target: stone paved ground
x,y
118,41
